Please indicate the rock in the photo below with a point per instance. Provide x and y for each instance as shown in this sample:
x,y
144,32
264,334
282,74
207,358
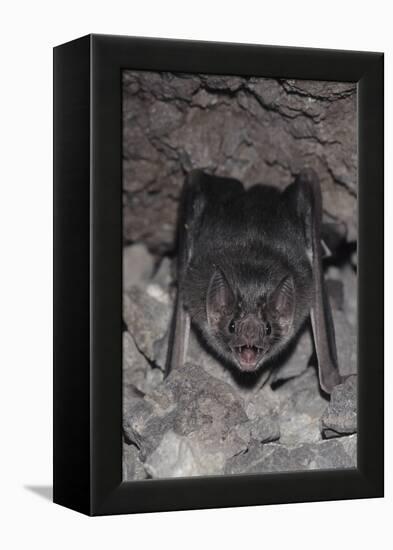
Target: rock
x,y
132,467
199,419
262,429
134,363
262,403
147,316
137,371
161,351
300,410
340,417
142,425
275,457
163,276
159,293
138,266
173,457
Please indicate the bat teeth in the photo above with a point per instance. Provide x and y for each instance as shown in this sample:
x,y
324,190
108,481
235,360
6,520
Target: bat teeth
x,y
246,346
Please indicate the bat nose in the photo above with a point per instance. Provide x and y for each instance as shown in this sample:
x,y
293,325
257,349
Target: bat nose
x,y
251,331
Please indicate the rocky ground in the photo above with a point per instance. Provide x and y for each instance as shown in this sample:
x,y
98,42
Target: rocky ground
x,y
205,419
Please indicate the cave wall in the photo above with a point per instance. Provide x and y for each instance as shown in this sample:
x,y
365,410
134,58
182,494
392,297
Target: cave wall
x,y
258,130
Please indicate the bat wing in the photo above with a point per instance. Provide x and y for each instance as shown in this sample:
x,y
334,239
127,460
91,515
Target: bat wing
x,y
190,214
200,194
308,198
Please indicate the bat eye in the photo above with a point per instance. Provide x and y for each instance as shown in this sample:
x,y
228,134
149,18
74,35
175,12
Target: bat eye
x,y
268,329
231,327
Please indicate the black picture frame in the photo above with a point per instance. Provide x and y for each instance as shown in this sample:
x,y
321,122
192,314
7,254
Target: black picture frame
x,y
88,275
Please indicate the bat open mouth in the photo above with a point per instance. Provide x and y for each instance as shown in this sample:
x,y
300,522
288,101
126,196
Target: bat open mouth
x,y
248,356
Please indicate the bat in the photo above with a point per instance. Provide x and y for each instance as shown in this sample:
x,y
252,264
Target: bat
x,y
250,272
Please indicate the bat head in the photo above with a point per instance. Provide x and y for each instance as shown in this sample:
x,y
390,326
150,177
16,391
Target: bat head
x,y
247,334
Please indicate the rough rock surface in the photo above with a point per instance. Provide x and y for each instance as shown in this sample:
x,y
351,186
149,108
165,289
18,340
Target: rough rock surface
x,y
147,313
138,265
301,408
138,373
196,419
194,424
275,457
132,465
256,129
340,417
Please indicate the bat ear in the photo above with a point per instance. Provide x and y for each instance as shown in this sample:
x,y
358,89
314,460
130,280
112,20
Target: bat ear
x,y
282,303
219,299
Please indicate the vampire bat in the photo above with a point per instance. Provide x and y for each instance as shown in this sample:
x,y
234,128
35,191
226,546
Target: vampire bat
x,y
250,272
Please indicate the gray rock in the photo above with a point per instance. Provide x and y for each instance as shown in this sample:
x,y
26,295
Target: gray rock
x,y
174,457
138,266
145,423
340,417
197,417
301,408
137,371
132,466
147,315
262,429
134,363
161,351
163,276
159,293
262,403
275,457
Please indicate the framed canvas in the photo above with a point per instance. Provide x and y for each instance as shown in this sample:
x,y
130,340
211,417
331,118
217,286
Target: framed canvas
x,y
205,353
